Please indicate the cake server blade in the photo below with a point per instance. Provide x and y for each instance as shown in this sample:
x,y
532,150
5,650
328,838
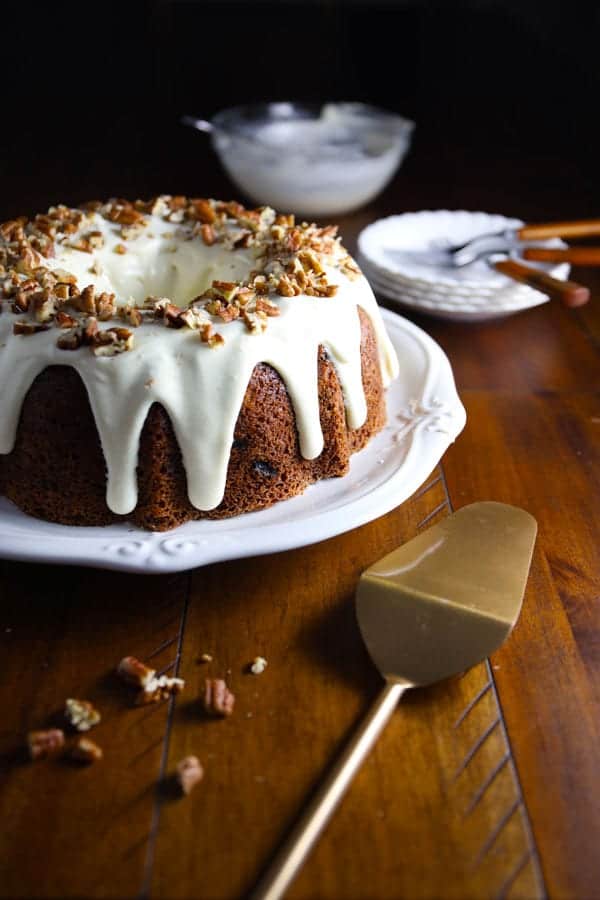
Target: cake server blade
x,y
448,598
428,610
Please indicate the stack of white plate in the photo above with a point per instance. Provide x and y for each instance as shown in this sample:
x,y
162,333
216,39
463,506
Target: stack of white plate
x,y
404,258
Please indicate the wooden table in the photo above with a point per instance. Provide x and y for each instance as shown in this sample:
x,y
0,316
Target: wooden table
x,y
487,786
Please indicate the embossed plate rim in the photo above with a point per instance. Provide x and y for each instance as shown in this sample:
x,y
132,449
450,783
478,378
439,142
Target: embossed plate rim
x,y
425,415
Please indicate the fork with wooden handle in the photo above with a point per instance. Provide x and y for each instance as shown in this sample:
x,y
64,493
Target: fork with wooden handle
x,y
569,292
580,256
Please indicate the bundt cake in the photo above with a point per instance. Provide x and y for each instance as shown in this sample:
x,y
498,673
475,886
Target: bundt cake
x,y
179,359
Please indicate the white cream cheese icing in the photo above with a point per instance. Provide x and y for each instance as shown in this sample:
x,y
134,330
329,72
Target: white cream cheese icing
x,y
201,388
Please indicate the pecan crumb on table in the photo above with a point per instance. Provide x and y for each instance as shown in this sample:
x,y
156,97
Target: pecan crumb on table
x,y
189,773
218,699
81,714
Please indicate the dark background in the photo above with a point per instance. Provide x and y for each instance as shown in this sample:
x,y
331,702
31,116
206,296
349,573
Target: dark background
x,y
500,91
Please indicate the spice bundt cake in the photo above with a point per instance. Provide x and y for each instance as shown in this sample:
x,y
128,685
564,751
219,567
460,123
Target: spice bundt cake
x,y
179,359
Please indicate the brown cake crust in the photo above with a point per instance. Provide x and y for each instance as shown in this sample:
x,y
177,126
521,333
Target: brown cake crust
x,y
57,472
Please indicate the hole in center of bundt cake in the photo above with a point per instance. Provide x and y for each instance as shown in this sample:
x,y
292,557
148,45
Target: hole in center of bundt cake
x,y
159,267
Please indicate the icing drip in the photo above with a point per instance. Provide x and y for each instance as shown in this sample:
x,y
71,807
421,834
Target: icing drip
x,y
201,389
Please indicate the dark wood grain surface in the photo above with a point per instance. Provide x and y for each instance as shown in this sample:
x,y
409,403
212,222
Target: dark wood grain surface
x,y
487,786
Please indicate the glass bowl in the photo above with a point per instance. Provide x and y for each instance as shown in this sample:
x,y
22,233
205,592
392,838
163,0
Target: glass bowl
x,y
313,160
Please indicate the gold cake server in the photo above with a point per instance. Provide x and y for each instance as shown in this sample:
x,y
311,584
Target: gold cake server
x,y
430,609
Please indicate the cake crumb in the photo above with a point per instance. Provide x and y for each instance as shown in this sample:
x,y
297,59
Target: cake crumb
x,y
258,665
159,688
81,714
205,658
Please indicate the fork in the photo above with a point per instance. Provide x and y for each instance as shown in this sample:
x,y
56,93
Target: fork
x,y
481,245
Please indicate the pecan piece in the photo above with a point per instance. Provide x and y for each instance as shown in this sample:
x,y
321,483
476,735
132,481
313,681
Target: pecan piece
x,y
189,772
90,330
267,306
86,301
63,320
105,306
45,743
158,689
218,699
86,751
207,233
201,210
70,341
131,315
209,336
113,341
135,672
172,316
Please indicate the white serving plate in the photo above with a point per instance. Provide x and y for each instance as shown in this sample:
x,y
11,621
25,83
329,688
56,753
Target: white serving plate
x,y
514,296
424,416
405,249
457,307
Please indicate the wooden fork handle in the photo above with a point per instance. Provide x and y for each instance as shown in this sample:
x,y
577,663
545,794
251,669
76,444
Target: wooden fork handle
x,y
580,256
568,292
582,228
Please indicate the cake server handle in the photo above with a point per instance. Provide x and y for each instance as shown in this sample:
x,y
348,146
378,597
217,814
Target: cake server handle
x,y
292,854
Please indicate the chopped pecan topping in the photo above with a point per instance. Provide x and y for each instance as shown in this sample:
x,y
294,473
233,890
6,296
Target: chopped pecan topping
x,y
41,744
81,714
209,336
267,307
202,210
105,306
207,232
45,306
131,232
86,301
255,322
291,260
193,318
131,315
89,242
70,341
63,320
172,316
122,211
113,341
